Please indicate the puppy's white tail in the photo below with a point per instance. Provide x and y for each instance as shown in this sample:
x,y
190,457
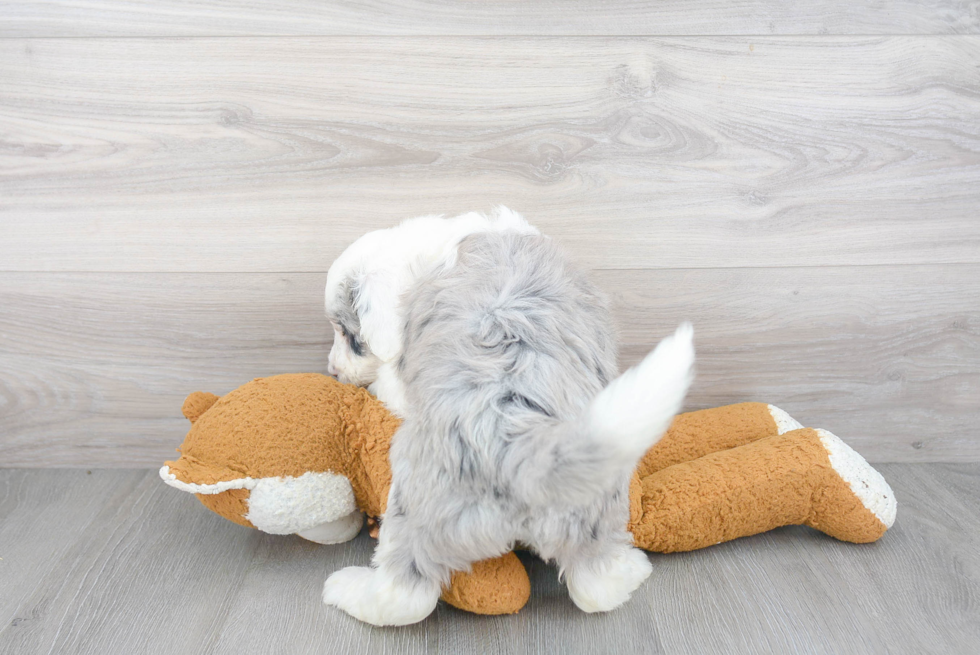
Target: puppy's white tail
x,y
635,410
577,460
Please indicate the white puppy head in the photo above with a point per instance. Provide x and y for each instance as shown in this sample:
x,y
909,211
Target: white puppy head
x,y
362,304
365,285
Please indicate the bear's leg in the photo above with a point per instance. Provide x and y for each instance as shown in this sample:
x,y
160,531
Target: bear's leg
x,y
696,434
803,477
493,586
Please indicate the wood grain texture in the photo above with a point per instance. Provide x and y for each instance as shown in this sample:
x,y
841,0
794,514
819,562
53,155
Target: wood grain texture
x,y
115,561
443,17
239,154
104,375
96,365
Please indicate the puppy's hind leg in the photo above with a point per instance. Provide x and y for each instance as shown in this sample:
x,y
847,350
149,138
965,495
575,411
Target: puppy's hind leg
x,y
397,590
605,581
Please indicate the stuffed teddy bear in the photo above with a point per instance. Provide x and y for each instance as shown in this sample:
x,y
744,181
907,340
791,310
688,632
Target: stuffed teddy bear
x,y
304,454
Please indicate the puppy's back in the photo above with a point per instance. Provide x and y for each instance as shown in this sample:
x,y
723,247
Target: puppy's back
x,y
513,330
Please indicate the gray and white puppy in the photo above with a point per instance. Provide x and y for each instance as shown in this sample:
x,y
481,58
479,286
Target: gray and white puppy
x,y
516,429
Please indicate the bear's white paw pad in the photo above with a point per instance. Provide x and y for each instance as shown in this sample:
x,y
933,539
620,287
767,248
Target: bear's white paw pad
x,y
863,479
370,596
604,585
784,422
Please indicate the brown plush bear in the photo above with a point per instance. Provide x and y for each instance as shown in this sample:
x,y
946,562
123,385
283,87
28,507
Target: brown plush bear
x,y
304,454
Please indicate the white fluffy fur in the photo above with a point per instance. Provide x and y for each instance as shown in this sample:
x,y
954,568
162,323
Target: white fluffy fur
x,y
643,400
607,583
369,595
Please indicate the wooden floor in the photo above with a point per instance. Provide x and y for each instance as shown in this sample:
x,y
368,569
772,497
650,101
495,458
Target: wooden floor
x,y
114,561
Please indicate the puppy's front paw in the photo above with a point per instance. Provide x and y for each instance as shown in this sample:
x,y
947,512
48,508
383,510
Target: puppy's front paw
x,y
369,595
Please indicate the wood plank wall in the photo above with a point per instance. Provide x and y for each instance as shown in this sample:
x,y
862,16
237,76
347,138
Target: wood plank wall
x,y
801,180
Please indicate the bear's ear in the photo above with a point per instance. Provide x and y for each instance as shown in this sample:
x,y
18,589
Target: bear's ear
x,y
197,403
376,301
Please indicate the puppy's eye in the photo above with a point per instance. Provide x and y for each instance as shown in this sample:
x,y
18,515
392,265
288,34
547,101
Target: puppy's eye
x,y
356,346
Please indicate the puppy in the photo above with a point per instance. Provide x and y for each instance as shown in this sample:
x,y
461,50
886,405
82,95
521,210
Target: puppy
x,y
516,427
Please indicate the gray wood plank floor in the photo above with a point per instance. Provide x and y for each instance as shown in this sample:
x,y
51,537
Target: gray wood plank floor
x,y
116,562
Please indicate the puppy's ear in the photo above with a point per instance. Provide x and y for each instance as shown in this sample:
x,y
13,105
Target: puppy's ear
x,y
375,299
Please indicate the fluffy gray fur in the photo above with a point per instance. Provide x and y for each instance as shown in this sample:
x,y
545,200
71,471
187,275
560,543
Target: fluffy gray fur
x,y
502,355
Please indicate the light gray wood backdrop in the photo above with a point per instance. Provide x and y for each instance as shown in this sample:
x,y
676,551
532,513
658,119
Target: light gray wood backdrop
x,y
801,180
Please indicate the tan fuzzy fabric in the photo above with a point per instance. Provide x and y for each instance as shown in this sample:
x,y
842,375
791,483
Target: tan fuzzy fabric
x,y
368,429
285,426
196,404
269,427
495,586
231,504
774,481
636,503
696,434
